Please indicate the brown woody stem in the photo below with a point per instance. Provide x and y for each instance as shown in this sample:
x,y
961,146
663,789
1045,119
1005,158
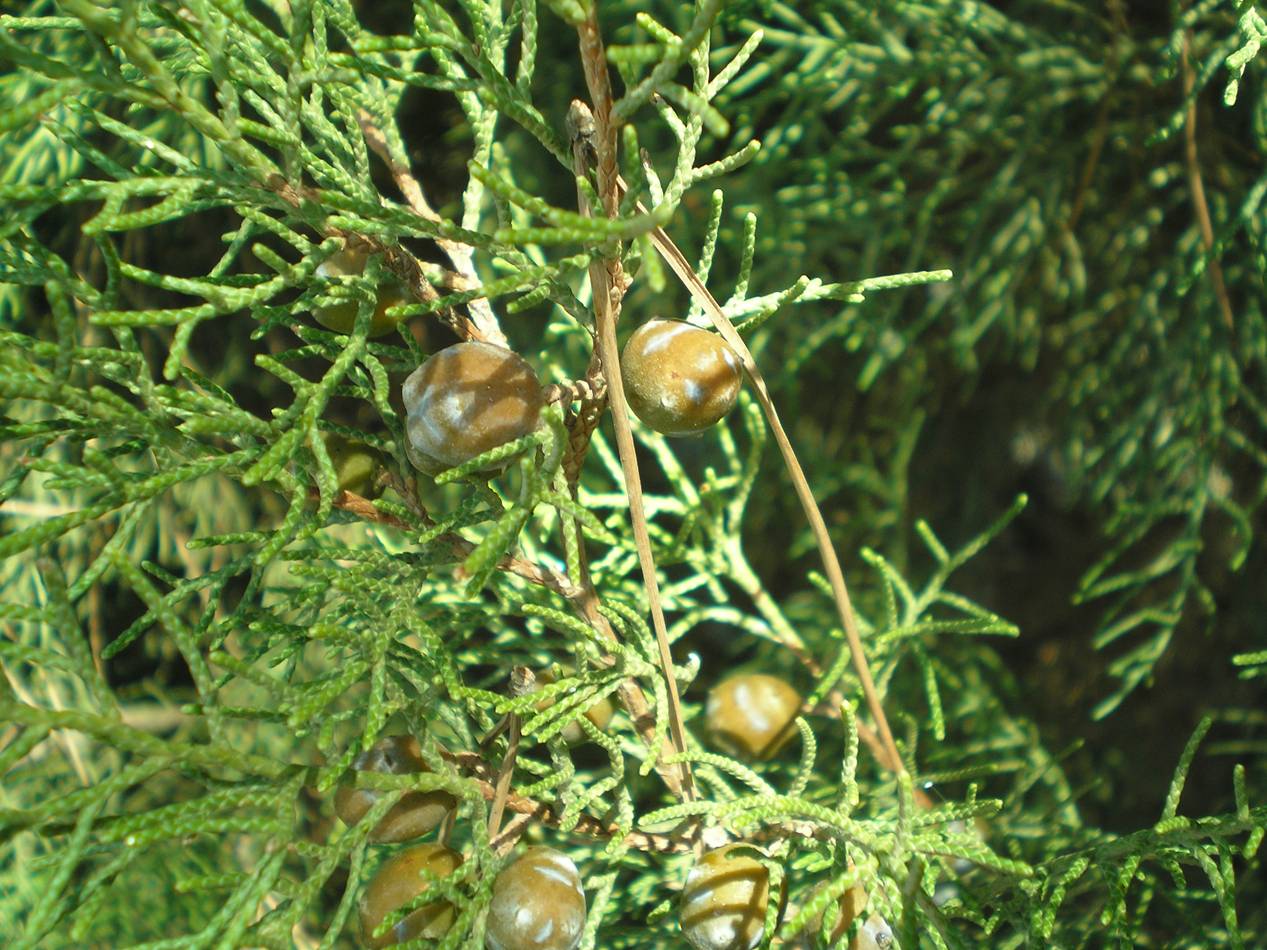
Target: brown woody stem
x,y
608,283
1197,187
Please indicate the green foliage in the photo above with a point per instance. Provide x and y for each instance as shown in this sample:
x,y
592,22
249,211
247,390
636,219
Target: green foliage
x,y
199,631
1078,261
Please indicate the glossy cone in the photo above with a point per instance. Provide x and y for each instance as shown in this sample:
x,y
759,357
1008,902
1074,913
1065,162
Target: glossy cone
x,y
872,933
355,464
725,899
752,715
679,379
397,882
468,399
600,714
415,814
538,904
341,316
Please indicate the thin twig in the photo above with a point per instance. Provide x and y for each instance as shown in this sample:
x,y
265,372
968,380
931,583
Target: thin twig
x,y
593,404
501,788
831,564
364,509
831,704
510,835
483,319
475,768
582,598
400,261
1197,187
609,284
1119,29
522,682
629,692
584,601
1093,160
447,824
